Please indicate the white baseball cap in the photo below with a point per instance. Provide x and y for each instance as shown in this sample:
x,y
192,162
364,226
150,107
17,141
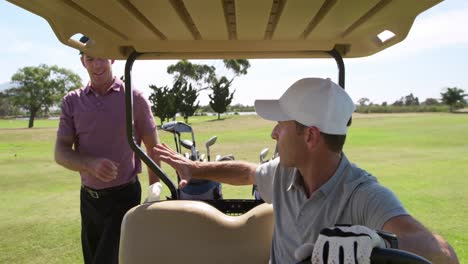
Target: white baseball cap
x,y
311,102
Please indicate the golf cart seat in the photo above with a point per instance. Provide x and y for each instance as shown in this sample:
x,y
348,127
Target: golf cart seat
x,y
181,231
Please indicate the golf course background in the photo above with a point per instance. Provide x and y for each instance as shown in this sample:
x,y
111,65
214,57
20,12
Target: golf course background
x,y
423,158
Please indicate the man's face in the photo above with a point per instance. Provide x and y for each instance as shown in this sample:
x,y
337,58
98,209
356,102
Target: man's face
x,y
99,70
290,142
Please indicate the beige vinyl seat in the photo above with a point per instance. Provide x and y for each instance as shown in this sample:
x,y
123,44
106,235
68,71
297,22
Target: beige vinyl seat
x,y
195,232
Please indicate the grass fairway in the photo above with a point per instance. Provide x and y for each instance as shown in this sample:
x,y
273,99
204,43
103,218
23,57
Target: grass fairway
x,y
423,158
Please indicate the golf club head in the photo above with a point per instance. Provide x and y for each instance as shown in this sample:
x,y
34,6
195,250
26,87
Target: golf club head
x,y
169,126
188,144
263,155
177,126
225,157
202,157
209,143
182,127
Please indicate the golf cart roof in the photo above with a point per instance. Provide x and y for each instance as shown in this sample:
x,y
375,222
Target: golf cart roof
x,y
177,29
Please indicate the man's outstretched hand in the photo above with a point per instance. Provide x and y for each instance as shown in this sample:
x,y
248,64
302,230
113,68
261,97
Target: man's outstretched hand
x,y
182,165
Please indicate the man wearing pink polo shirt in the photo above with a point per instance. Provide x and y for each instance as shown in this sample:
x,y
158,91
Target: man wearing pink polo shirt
x,y
91,139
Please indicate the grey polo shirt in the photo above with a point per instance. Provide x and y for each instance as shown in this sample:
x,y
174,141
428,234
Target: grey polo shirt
x,y
350,196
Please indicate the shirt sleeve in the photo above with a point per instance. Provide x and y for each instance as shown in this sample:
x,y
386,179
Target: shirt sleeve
x,y
66,123
264,177
144,120
375,204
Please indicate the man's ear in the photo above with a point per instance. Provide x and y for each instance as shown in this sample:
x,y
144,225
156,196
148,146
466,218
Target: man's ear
x,y
312,136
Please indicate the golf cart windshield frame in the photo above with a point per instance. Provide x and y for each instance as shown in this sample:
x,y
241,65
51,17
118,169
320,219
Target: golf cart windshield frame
x,y
144,157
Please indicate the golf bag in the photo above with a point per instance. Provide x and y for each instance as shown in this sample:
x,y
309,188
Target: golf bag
x,y
201,190
196,189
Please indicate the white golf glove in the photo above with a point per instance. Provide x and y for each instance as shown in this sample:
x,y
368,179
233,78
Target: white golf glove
x,y
154,192
355,241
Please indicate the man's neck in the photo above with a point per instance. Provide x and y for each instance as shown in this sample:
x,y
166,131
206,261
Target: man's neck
x,y
318,171
102,89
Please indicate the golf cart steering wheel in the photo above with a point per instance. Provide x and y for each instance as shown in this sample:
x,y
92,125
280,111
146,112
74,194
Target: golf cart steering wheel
x,y
390,256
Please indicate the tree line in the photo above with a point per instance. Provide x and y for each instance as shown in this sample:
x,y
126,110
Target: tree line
x,y
36,90
451,97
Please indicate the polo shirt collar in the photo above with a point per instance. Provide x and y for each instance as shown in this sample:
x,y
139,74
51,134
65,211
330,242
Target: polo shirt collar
x,y
115,86
297,182
328,186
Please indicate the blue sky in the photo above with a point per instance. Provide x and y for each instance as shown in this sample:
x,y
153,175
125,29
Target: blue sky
x,y
433,56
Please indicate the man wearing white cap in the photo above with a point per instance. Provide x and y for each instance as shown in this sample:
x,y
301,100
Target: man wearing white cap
x,y
313,187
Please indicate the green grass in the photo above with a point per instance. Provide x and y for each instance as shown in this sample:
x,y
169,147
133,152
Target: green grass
x,y
423,158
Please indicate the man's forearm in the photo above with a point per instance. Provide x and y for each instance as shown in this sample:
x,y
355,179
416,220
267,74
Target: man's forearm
x,y
432,247
230,172
70,159
152,177
150,142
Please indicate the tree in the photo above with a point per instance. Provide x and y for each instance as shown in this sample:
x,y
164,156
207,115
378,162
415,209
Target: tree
x,y
164,102
453,97
187,107
410,100
220,98
167,102
199,73
239,66
204,75
159,101
363,101
39,88
6,107
200,77
431,101
399,102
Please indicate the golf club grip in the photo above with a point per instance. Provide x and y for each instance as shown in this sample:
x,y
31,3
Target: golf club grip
x,y
389,256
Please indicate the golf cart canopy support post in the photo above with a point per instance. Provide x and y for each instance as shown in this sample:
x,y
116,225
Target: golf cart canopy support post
x,y
130,133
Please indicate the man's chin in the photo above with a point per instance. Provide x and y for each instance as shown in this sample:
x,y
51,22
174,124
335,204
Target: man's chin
x,y
100,81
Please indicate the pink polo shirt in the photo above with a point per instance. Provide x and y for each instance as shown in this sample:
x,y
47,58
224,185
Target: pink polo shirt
x,y
98,124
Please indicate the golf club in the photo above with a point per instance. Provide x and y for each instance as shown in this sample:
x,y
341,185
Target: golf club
x,y
209,143
189,145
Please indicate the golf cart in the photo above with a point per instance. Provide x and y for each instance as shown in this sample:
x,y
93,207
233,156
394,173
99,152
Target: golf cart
x,y
176,231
